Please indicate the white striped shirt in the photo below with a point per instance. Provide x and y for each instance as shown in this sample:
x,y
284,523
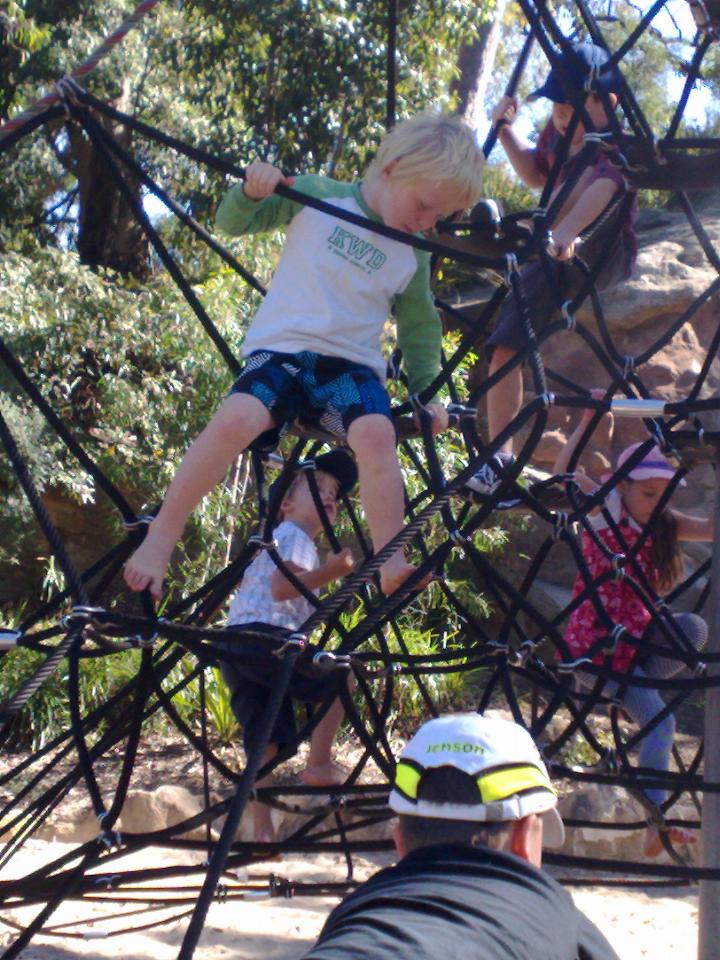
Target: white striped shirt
x,y
254,600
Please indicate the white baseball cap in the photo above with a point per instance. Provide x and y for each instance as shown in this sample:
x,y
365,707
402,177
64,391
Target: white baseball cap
x,y
499,755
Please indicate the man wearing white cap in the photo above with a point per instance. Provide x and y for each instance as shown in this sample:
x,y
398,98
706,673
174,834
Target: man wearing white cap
x,y
475,805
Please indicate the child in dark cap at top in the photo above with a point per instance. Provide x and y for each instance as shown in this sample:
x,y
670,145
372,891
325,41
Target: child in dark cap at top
x,y
585,216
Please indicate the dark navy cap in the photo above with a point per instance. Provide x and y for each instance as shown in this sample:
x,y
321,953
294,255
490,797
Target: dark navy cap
x,y
337,463
579,68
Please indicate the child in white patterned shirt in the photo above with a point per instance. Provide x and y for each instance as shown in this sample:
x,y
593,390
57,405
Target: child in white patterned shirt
x,y
267,598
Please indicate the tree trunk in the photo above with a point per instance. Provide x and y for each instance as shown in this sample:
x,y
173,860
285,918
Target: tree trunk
x,y
108,233
475,64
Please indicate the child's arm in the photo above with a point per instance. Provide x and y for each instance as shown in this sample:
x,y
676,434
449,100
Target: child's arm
x,y
419,336
520,153
572,222
699,529
586,483
338,565
261,179
252,206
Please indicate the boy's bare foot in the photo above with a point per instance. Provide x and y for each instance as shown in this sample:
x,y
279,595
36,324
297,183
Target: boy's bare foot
x,y
147,566
395,572
653,845
323,775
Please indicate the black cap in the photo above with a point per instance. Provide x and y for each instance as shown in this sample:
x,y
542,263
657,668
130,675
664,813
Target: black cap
x,y
337,463
579,68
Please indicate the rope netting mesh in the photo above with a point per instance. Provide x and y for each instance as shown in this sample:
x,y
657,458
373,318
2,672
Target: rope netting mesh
x,y
520,656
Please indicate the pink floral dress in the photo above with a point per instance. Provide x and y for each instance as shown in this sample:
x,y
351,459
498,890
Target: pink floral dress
x,y
619,600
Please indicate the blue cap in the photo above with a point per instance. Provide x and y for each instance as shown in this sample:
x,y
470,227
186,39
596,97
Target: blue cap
x,y
579,68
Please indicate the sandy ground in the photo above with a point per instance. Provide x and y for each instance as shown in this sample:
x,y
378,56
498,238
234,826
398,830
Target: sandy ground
x,y
639,924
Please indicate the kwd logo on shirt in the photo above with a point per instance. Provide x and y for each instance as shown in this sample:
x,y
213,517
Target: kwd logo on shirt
x,y
355,250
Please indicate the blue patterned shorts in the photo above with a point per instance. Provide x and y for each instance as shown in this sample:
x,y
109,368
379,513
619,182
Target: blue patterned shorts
x,y
328,391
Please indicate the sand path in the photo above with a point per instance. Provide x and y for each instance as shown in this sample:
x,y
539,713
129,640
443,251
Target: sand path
x,y
639,924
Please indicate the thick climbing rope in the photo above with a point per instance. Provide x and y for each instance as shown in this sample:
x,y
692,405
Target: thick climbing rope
x,y
81,71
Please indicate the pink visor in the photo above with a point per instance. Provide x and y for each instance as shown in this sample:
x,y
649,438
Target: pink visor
x,y
652,465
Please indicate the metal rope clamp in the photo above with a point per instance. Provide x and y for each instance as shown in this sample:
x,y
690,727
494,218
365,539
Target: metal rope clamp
x,y
512,265
108,880
144,643
325,661
617,563
593,74
560,526
519,658
569,318
111,838
458,537
615,637
656,818
569,666
82,614
144,519
297,643
461,412
257,541
66,90
498,649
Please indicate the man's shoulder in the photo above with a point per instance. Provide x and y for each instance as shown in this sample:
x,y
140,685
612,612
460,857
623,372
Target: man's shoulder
x,y
484,902
467,870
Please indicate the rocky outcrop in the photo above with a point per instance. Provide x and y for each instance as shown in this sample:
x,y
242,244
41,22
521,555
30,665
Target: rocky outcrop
x,y
144,811
672,273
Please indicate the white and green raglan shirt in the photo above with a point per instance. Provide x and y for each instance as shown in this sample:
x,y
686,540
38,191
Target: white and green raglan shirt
x,y
336,282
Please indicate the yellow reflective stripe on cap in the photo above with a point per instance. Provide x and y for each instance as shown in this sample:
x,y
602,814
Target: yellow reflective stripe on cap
x,y
407,779
501,784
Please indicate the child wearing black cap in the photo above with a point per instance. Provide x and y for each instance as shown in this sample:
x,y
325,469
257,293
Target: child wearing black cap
x,y
590,224
267,598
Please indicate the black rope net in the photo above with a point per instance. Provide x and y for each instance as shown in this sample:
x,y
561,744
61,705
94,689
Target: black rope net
x,y
520,657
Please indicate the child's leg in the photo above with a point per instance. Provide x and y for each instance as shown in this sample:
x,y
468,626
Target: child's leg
x,y
372,439
643,705
240,419
261,814
504,400
321,771
695,631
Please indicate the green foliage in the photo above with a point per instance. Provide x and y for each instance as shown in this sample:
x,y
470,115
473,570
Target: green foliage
x,y
130,372
47,712
188,701
299,82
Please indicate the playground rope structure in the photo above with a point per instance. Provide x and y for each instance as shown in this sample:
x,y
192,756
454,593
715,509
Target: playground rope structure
x,y
523,661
